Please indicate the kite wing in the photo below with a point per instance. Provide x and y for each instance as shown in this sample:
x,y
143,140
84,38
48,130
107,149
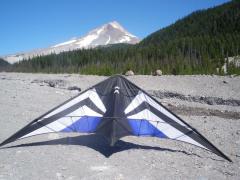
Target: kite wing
x,y
79,114
148,117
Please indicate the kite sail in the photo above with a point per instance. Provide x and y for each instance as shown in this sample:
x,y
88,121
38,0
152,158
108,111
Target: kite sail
x,y
115,108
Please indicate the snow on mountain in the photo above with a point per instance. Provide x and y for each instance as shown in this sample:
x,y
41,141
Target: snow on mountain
x,y
65,43
111,33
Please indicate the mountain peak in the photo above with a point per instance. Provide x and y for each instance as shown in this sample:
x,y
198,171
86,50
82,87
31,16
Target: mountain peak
x,y
116,25
110,33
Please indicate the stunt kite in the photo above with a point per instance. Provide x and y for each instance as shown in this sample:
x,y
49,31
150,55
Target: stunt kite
x,y
115,108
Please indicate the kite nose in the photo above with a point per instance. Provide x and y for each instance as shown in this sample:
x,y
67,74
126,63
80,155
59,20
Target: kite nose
x,y
116,90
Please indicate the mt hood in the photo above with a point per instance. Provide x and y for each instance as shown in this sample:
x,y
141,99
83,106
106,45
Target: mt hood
x,y
111,33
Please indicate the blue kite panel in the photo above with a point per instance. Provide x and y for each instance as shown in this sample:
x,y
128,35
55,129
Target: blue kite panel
x,y
142,127
86,124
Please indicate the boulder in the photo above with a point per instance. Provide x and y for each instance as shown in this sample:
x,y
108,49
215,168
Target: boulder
x,y
129,73
158,72
72,88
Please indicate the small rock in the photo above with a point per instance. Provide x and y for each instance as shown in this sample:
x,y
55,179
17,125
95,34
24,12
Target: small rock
x,y
59,92
233,75
59,176
129,73
64,168
158,72
68,75
169,105
51,82
224,82
119,177
99,168
72,88
18,152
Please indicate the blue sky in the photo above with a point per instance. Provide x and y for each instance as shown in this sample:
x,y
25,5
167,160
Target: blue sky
x,y
30,24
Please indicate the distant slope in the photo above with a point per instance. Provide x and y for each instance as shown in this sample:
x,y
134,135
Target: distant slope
x,y
218,21
3,63
201,41
196,44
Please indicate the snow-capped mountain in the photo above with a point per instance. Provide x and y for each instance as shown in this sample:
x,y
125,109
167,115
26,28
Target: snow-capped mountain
x,y
111,33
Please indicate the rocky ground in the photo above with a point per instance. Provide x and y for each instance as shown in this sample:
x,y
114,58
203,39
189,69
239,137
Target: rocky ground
x,y
209,103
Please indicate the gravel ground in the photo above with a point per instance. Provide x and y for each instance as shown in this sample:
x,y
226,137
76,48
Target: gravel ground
x,y
24,97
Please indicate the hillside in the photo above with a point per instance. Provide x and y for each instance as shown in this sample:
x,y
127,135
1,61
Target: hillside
x,y
214,22
202,39
3,64
196,44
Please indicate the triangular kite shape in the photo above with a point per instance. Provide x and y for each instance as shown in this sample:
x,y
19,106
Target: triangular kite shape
x,y
115,108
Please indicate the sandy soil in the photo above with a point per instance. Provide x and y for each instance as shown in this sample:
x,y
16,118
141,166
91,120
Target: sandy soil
x,y
24,97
